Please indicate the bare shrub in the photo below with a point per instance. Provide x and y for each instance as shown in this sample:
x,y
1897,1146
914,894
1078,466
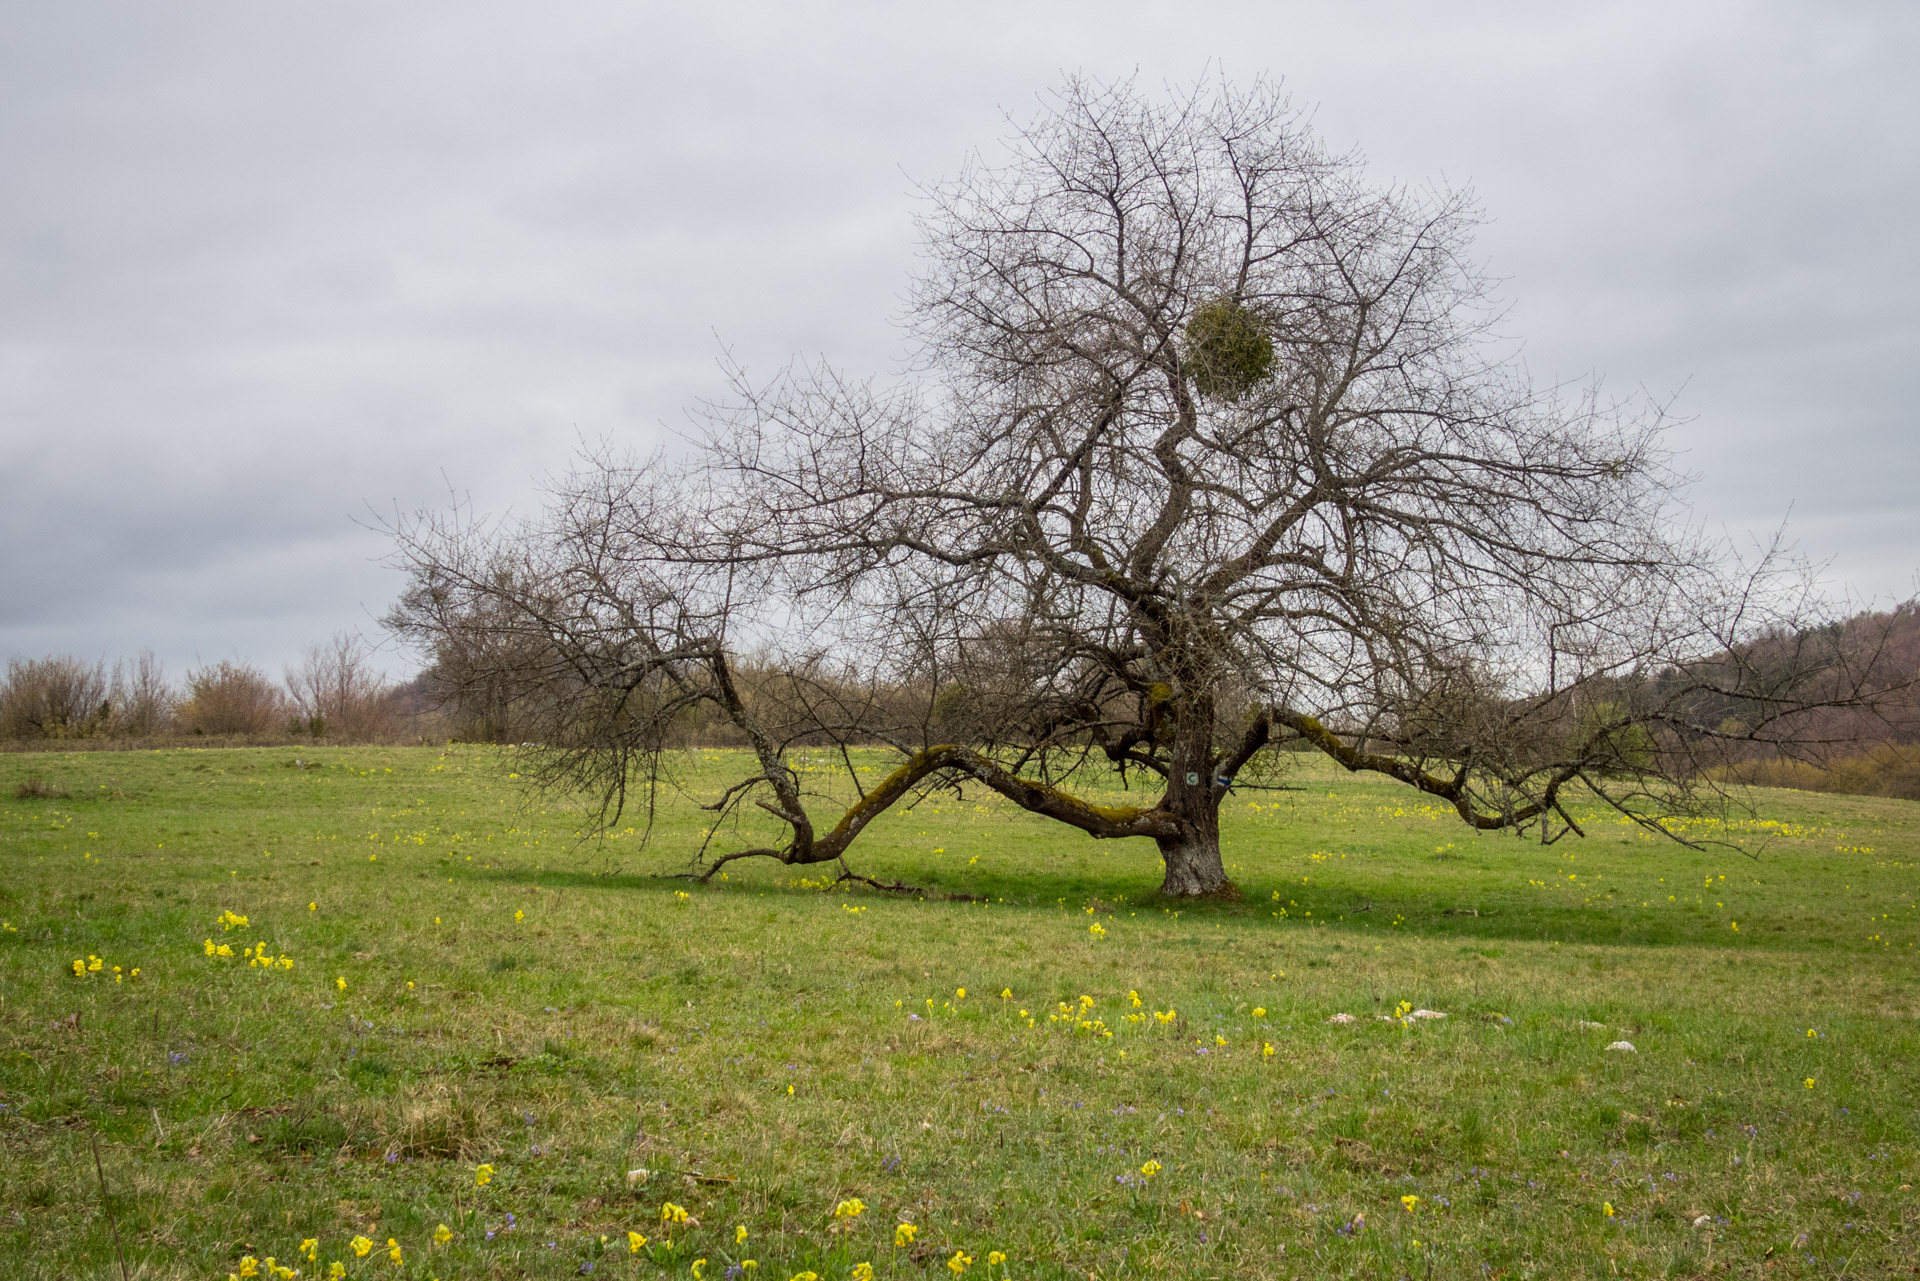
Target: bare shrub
x,y
39,789
233,698
143,700
55,697
1887,769
337,694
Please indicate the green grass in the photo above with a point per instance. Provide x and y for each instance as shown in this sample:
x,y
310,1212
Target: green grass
x,y
766,1050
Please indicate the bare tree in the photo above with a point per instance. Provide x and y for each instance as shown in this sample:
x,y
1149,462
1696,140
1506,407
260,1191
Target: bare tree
x,y
1210,447
143,699
336,692
54,697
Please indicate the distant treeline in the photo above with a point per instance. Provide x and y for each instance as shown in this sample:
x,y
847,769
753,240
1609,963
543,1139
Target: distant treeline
x,y
1861,752
334,694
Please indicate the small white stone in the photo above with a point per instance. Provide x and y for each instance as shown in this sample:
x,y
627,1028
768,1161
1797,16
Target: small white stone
x,y
1343,1018
638,1176
1625,1047
1587,1025
1426,1014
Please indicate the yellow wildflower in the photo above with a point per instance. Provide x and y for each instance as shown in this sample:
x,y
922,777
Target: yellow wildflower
x,y
360,1245
482,1175
1809,1083
1098,931
336,1270
311,1248
249,1266
341,983
849,1209
1259,1012
1006,994
1606,1208
904,1235
1150,1169
393,1251
443,1234
634,1242
960,1262
1408,1202
671,1213
995,1258
862,1272
1266,1049
697,1265
740,1235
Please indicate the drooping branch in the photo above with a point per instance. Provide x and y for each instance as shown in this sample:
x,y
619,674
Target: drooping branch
x,y
1103,822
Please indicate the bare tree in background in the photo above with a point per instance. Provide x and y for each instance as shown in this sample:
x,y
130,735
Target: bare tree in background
x,y
143,699
1210,448
55,697
337,693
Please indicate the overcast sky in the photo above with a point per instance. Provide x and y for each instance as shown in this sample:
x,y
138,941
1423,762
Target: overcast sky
x,y
265,267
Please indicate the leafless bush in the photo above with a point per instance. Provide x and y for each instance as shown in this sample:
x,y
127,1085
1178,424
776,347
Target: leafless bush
x,y
143,700
233,698
1888,769
337,694
55,697
39,789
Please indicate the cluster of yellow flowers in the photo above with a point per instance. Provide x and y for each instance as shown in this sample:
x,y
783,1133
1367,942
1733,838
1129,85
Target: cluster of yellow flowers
x,y
91,964
1079,1018
270,1269
845,1214
259,956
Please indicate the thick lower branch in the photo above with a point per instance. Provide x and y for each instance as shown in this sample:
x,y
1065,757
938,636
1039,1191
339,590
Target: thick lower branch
x,y
1105,822
1452,790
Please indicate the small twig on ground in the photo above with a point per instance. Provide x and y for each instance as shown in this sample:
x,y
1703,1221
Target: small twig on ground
x,y
900,887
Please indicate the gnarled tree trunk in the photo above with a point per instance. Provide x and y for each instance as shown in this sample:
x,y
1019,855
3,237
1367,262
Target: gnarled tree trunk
x,y
1192,851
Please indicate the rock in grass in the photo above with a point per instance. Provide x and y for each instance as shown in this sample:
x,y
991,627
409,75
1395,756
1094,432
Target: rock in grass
x,y
1343,1018
1588,1025
1426,1014
1625,1047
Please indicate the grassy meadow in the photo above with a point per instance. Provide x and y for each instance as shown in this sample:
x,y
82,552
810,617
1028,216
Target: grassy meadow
x,y
450,1040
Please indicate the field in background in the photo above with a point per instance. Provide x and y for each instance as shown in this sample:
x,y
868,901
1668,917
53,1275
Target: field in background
x,y
467,1018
